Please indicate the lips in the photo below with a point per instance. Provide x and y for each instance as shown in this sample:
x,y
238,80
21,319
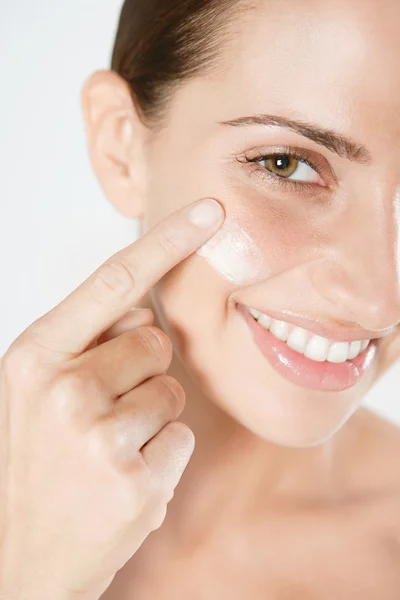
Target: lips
x,y
316,347
304,371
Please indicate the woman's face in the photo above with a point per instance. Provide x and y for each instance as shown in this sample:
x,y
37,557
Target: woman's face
x,y
314,245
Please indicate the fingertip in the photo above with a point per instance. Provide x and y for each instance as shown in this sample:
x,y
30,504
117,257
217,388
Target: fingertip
x,y
207,212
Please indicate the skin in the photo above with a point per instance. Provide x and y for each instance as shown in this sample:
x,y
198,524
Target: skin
x,y
313,262
280,498
87,412
271,460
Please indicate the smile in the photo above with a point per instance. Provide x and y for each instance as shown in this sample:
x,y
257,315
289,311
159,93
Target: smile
x,y
306,359
315,347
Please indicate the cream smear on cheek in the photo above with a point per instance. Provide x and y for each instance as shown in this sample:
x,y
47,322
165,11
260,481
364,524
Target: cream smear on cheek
x,y
233,253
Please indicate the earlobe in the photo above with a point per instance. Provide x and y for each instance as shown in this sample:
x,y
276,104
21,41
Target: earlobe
x,y
115,136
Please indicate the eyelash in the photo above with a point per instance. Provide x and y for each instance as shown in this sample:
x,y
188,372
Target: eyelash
x,y
296,153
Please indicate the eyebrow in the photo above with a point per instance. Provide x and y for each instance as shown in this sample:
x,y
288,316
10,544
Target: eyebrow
x,y
335,142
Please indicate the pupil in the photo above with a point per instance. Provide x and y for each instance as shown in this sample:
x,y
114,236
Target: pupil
x,y
283,162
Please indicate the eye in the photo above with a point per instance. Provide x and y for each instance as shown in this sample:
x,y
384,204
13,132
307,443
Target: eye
x,y
290,167
293,169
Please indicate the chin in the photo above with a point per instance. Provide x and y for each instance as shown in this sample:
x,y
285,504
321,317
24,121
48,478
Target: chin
x,y
231,371
275,410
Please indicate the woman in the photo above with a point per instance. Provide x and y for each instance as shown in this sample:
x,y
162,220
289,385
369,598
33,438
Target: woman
x,y
282,313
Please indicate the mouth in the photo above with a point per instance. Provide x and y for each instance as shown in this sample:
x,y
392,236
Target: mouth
x,y
309,360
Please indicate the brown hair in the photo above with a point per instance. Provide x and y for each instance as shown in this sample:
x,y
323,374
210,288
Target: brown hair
x,y
161,43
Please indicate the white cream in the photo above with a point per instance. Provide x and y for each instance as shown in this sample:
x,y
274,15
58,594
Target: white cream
x,y
233,254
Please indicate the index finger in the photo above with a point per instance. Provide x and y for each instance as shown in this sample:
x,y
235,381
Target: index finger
x,y
119,283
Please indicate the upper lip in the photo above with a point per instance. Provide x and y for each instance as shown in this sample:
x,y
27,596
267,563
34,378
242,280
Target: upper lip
x,y
325,328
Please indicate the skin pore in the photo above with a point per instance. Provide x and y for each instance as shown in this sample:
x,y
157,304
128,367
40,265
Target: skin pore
x,y
272,458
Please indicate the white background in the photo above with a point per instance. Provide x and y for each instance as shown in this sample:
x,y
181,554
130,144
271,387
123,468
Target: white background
x,y
56,227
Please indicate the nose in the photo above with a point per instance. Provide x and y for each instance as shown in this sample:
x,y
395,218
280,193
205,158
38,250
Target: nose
x,y
360,278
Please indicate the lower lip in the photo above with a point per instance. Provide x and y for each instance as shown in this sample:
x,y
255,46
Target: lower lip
x,y
297,368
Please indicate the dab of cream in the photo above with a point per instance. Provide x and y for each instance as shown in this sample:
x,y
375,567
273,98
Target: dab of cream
x,y
233,254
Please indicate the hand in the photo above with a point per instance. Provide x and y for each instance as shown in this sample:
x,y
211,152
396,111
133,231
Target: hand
x,y
90,449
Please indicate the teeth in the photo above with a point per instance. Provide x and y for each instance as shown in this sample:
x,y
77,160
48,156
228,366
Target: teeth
x,y
315,347
254,313
280,329
355,348
298,339
265,321
338,352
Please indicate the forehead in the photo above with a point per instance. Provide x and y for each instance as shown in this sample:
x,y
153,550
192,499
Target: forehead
x,y
331,61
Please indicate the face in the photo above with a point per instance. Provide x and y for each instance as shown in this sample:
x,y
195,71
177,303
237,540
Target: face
x,y
269,315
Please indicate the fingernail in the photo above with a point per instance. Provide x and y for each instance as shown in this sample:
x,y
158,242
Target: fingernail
x,y
206,213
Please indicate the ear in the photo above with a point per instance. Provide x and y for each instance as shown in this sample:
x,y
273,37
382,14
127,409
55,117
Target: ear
x,y
116,139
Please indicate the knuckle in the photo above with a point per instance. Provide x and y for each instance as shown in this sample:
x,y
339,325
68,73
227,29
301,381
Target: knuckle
x,y
130,480
23,357
123,447
76,397
69,382
70,388
156,343
113,280
168,240
172,391
137,491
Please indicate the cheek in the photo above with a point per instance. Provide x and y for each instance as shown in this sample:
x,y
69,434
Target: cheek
x,y
261,235
190,302
253,245
233,254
